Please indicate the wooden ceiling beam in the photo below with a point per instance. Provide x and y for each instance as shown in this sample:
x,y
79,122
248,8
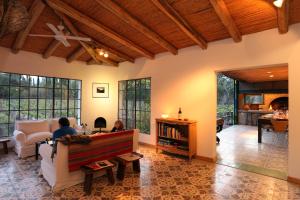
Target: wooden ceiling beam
x,y
135,23
76,54
84,19
52,47
93,62
35,11
226,18
91,51
283,14
172,14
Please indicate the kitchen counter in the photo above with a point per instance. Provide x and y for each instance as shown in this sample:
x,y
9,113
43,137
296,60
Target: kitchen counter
x,y
250,117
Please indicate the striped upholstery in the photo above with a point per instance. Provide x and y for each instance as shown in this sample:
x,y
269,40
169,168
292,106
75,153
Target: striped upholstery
x,y
102,147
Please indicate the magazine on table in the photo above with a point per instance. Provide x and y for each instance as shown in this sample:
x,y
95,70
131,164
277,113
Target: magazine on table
x,y
99,165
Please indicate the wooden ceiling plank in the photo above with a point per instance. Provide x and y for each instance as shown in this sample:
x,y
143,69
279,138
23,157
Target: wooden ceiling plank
x,y
226,18
93,62
87,47
171,13
35,11
283,17
135,23
80,17
76,54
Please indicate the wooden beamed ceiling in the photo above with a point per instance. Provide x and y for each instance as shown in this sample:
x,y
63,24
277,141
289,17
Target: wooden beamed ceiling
x,y
129,29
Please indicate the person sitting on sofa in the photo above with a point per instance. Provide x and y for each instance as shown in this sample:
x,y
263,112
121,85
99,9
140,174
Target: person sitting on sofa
x,y
64,129
118,126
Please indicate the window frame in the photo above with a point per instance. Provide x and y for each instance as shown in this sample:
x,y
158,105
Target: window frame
x,y
135,102
10,123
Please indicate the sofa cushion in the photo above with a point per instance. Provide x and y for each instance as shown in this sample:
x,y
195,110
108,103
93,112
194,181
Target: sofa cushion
x,y
37,137
32,126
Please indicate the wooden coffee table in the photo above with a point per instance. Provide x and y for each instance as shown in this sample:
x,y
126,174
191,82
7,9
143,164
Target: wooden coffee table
x,y
123,160
4,143
89,173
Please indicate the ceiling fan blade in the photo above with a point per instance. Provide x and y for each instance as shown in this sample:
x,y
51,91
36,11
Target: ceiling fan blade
x,y
40,35
61,27
53,28
63,40
78,38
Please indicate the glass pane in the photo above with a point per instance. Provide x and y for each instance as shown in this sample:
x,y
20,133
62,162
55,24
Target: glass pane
x,y
57,113
14,115
57,83
11,128
49,114
131,85
24,80
42,104
24,92
32,104
4,104
57,104
78,84
64,94
49,82
4,92
42,82
147,106
32,114
49,104
14,92
77,113
77,104
72,84
24,104
122,85
3,130
14,104
4,79
14,79
23,115
42,114
71,103
64,84
74,94
4,115
71,113
64,113
148,83
33,92
33,81
49,93
42,93
64,104
143,83
58,93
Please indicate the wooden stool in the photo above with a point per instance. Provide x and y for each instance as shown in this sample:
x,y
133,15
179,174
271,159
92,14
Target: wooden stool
x,y
133,158
89,174
4,143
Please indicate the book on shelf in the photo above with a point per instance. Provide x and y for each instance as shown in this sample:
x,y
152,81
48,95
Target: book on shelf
x,y
169,132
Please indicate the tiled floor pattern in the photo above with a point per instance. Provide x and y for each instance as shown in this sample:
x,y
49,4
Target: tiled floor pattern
x,y
239,144
162,177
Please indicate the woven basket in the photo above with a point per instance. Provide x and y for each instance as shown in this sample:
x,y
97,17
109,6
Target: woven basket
x,y
14,16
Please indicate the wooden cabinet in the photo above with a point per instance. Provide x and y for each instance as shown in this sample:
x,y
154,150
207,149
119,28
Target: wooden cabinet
x,y
250,117
176,136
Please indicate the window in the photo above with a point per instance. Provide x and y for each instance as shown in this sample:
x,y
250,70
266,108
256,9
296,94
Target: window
x,y
27,97
134,104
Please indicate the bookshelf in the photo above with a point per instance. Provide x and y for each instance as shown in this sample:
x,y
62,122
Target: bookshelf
x,y
176,136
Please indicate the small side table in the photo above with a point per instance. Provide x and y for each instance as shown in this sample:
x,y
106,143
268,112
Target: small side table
x,y
124,159
4,143
89,174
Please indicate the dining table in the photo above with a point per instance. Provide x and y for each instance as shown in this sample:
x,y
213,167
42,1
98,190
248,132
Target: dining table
x,y
266,121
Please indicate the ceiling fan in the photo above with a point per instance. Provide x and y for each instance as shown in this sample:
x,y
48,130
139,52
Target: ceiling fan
x,y
60,35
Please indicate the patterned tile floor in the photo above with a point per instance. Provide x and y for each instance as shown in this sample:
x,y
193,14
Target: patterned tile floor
x,y
162,177
239,144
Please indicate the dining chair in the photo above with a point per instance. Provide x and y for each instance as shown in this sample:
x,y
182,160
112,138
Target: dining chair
x,y
279,127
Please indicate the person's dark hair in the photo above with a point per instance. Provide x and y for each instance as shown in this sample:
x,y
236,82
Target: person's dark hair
x,y
63,121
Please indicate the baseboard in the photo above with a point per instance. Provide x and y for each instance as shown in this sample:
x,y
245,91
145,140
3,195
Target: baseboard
x,y
208,159
148,145
293,180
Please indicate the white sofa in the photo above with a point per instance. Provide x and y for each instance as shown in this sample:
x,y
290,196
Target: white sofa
x,y
56,171
28,132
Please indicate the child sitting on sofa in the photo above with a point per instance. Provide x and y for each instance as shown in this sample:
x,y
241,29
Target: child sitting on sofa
x,y
64,129
118,126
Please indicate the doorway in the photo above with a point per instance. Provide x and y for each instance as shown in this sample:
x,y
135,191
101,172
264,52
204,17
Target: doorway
x,y
256,137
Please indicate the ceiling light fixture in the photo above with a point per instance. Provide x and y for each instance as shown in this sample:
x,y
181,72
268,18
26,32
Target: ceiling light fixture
x,y
271,76
105,54
269,72
278,3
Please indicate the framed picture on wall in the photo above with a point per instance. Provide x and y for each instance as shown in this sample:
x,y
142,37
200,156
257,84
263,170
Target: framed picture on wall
x,y
100,90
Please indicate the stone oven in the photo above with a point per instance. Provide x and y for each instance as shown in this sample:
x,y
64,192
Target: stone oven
x,y
281,103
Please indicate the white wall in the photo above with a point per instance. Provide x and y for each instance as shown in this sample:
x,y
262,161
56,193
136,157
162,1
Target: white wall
x,y
30,63
188,81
